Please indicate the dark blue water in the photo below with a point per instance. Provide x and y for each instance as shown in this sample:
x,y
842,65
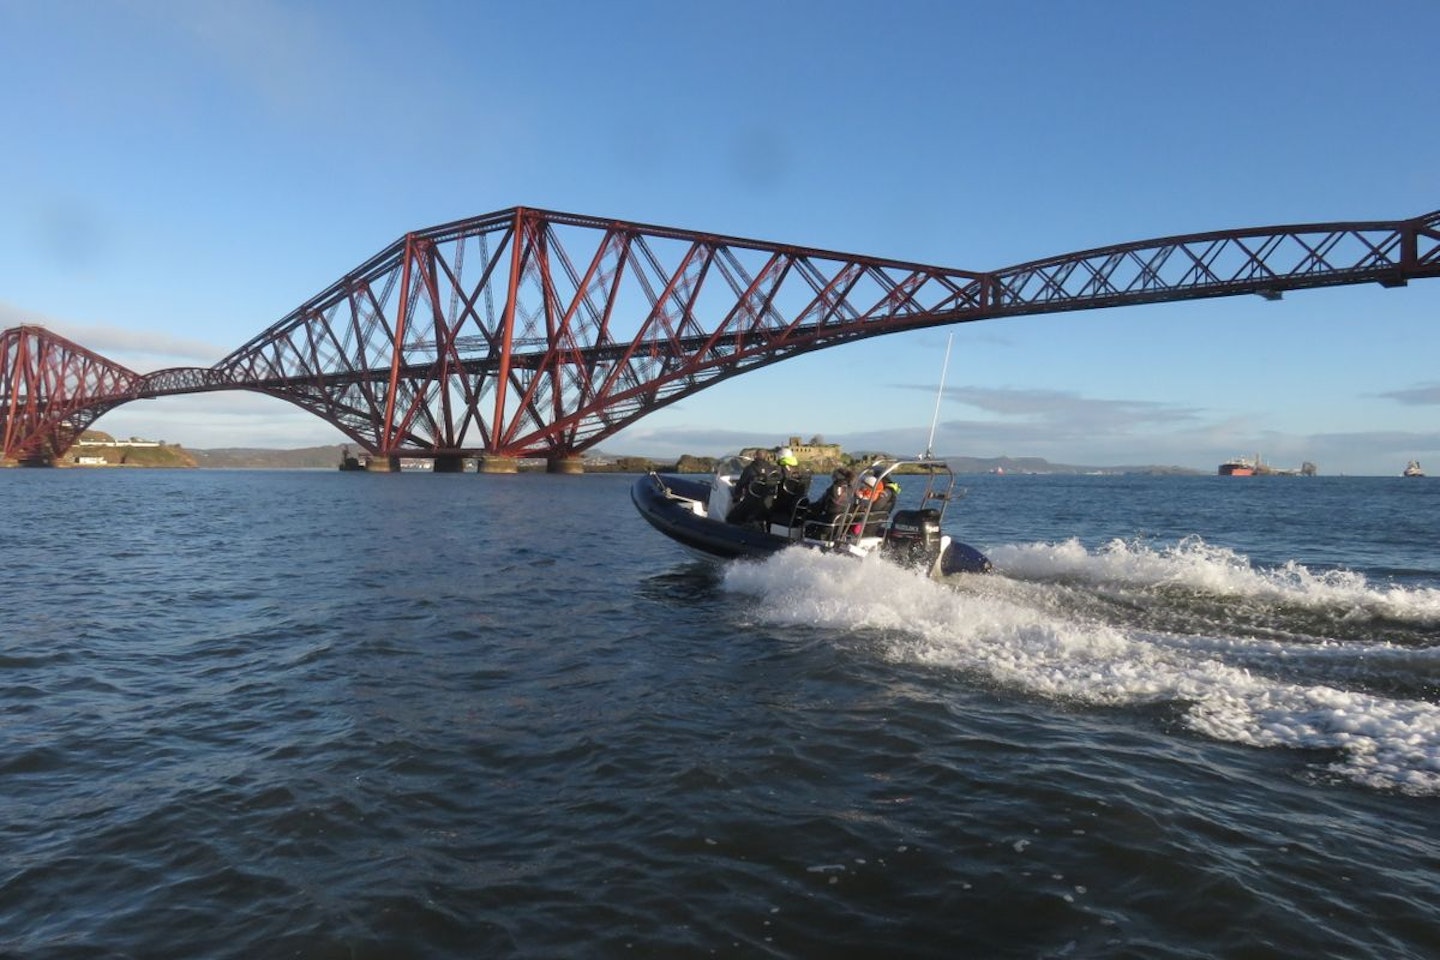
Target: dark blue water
x,y
340,715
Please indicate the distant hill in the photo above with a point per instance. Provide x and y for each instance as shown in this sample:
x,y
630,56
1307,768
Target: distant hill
x,y
1022,465
98,449
251,458
328,458
1040,465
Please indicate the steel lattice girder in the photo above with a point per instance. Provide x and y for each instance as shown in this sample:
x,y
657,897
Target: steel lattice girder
x,y
532,332
52,390
529,331
1265,260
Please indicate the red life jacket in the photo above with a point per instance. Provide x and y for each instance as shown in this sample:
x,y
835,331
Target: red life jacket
x,y
872,493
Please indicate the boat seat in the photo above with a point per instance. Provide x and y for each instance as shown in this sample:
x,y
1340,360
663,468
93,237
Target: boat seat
x,y
823,529
791,514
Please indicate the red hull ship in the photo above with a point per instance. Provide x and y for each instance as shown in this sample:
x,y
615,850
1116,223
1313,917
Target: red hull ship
x,y
1240,467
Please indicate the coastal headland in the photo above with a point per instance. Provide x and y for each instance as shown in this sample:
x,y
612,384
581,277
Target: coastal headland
x,y
99,450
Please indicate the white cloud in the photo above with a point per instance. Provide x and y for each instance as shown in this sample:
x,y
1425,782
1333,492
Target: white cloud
x,y
225,419
1424,395
141,350
1068,414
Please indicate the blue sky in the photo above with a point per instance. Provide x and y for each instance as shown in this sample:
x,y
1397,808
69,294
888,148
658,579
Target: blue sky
x,y
181,174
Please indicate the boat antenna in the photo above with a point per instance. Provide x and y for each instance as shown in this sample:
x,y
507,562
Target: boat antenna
x,y
939,394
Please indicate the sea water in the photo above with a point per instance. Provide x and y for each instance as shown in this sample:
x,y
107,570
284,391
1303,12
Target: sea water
x,y
350,715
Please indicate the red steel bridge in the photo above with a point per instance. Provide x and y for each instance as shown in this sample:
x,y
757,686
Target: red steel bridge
x,y
528,333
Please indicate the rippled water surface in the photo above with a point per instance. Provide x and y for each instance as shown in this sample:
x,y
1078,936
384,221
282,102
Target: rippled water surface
x,y
339,715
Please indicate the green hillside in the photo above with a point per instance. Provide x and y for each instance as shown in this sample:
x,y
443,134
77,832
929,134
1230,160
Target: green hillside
x,y
98,449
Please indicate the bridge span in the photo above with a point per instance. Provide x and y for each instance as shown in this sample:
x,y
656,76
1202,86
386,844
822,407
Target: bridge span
x,y
532,333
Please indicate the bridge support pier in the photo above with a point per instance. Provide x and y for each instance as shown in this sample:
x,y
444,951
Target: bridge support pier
x,y
449,464
569,463
495,463
383,464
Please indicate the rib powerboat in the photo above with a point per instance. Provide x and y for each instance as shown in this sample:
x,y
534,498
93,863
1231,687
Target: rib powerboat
x,y
693,512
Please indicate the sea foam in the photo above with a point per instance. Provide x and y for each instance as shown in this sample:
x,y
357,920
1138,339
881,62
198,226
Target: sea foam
x,y
1192,563
1022,635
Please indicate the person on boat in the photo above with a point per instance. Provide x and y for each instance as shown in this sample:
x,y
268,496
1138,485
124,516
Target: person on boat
x,y
794,488
755,490
873,502
833,504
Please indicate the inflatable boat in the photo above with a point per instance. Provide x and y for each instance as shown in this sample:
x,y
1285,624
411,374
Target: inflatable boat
x,y
709,516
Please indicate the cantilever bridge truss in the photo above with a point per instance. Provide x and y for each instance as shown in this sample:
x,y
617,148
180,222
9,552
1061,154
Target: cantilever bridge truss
x,y
533,333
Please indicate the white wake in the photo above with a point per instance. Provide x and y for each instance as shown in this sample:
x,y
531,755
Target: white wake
x,y
1008,629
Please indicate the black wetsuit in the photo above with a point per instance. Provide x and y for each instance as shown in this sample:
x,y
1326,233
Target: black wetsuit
x,y
754,492
793,489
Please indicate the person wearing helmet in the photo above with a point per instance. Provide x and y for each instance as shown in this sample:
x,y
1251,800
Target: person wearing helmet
x,y
873,503
870,490
755,490
793,491
885,494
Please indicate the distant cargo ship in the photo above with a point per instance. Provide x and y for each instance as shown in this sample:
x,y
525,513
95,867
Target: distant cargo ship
x,y
1246,467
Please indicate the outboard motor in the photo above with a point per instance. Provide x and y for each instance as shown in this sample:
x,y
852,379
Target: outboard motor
x,y
913,537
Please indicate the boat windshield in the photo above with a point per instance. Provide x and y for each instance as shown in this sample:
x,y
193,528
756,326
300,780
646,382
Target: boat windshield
x,y
731,465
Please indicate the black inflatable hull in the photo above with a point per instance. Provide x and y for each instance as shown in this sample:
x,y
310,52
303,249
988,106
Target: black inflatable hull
x,y
663,504
678,522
